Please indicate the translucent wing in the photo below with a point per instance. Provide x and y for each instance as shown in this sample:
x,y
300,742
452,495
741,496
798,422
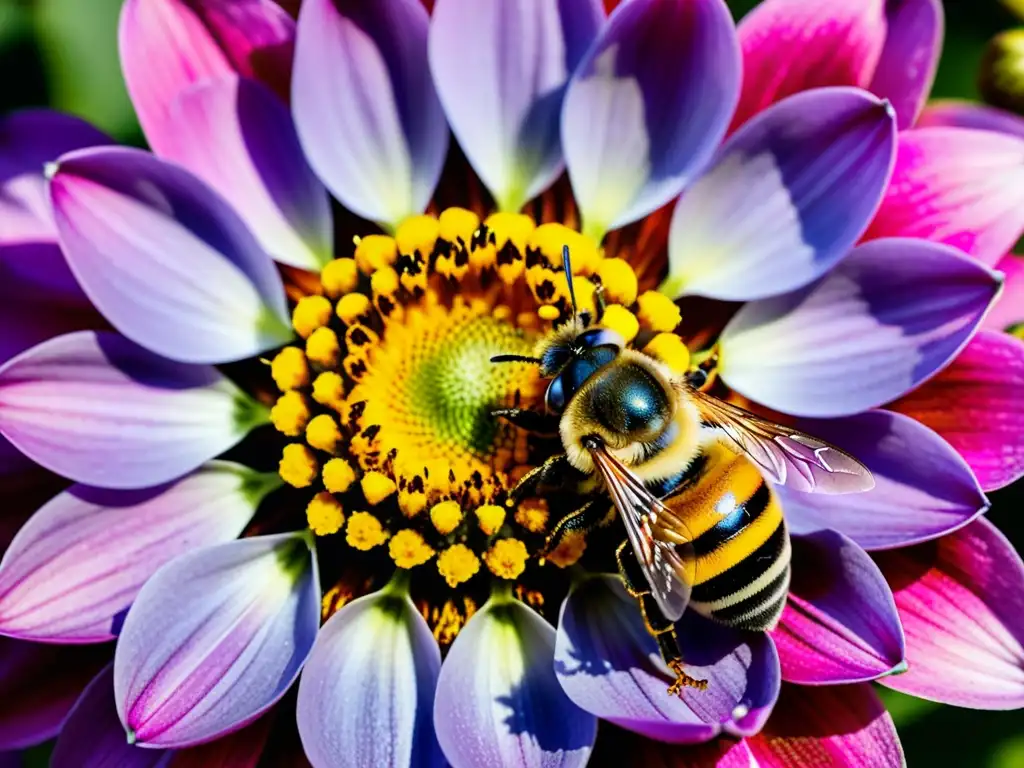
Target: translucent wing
x,y
787,456
658,537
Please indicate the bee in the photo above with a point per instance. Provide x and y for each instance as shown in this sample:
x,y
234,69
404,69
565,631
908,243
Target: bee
x,y
688,474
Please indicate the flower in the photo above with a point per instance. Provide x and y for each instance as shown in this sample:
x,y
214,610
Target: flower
x,y
199,537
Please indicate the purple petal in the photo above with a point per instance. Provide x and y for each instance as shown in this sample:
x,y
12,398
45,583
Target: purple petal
x,y
101,410
961,600
29,140
238,137
167,46
833,725
891,315
165,258
373,129
498,701
74,569
215,638
956,186
38,686
647,106
952,113
840,623
923,488
92,736
786,198
367,693
502,85
609,665
906,69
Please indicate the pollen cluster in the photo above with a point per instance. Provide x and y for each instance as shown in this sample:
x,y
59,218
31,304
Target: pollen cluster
x,y
387,398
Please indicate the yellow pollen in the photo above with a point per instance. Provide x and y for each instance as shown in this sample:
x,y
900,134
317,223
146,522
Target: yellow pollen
x,y
339,277
408,549
548,239
507,558
490,518
377,487
384,282
353,307
364,532
622,321
669,349
533,514
458,224
323,434
329,389
412,502
548,312
310,313
338,475
375,252
619,281
322,348
290,414
658,312
418,234
504,229
569,550
324,515
290,369
457,564
446,516
298,466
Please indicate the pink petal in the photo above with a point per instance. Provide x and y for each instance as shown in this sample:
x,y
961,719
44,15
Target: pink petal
x,y
961,599
794,45
976,405
168,45
957,186
952,113
1009,309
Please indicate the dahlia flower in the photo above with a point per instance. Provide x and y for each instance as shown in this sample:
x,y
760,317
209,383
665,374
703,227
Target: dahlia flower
x,y
257,495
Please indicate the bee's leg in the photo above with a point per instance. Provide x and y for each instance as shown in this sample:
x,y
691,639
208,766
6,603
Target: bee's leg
x,y
661,628
582,521
600,303
549,470
538,423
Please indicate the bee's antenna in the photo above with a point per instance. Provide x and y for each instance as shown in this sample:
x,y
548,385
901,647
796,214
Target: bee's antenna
x,y
515,359
567,266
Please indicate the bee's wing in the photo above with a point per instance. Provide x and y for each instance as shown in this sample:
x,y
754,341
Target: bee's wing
x,y
787,456
659,538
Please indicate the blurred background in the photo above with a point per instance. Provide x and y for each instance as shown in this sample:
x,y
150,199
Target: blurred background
x,y
63,54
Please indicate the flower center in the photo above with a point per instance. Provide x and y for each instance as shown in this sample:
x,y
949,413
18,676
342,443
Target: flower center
x,y
388,400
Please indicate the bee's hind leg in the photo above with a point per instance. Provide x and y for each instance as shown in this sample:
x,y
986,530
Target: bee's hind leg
x,y
548,471
580,522
664,631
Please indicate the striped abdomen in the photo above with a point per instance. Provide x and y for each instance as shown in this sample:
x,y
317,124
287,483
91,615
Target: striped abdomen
x,y
741,544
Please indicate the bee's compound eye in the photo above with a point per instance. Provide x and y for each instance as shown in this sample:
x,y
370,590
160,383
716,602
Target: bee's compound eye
x,y
554,400
601,337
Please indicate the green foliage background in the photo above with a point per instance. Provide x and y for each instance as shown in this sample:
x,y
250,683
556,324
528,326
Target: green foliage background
x,y
63,54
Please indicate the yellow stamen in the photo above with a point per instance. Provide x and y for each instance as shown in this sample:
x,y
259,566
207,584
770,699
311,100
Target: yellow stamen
x,y
446,516
290,414
324,515
490,518
412,502
507,558
298,466
622,321
338,475
408,549
510,229
339,277
669,349
619,281
310,313
548,312
322,348
364,532
418,234
375,252
377,487
458,225
533,515
329,389
457,564
290,369
323,433
658,312
353,307
548,240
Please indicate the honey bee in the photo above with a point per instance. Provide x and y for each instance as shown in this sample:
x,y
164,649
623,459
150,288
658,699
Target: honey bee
x,y
688,474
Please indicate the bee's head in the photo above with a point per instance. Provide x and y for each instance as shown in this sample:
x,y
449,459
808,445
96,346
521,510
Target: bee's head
x,y
570,361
